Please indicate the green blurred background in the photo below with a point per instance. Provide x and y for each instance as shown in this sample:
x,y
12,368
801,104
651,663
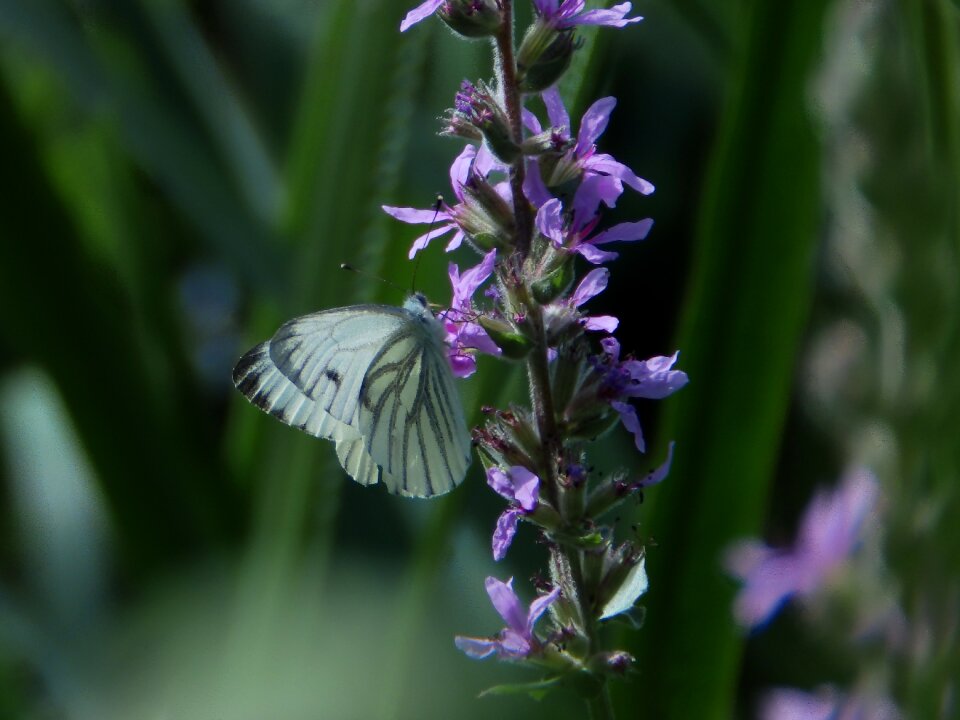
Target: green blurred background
x,y
177,178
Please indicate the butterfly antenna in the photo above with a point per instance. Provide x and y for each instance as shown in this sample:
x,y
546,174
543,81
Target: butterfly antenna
x,y
371,276
438,203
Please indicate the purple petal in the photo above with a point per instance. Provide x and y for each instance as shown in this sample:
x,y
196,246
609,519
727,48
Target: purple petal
x,y
461,364
477,648
556,110
539,606
506,602
550,221
531,121
768,586
790,704
830,528
831,525
546,7
472,279
514,644
614,17
628,416
472,336
415,216
486,162
421,242
658,475
744,556
595,255
606,165
593,190
455,241
460,169
653,379
420,12
526,487
601,323
504,532
533,185
624,232
499,481
593,123
593,283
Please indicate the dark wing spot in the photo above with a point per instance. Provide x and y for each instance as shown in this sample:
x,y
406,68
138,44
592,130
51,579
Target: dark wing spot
x,y
333,376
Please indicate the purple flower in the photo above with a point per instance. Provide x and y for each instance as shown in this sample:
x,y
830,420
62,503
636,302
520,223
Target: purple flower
x,y
420,12
573,233
826,704
653,379
464,334
828,534
564,14
581,157
465,213
521,488
516,641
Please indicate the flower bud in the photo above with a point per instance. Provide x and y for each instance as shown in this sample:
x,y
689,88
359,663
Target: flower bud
x,y
471,18
616,662
544,56
514,345
477,105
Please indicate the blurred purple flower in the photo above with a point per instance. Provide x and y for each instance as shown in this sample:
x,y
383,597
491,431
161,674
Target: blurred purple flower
x,y
581,157
829,532
450,218
516,641
464,334
826,704
573,231
521,488
564,14
653,379
420,12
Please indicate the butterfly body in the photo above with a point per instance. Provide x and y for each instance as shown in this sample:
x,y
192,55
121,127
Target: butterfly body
x,y
375,380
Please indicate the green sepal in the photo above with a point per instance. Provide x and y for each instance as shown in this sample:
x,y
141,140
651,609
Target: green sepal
x,y
593,426
469,20
551,286
544,56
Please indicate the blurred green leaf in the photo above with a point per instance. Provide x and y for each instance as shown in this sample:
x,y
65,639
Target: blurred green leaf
x,y
746,307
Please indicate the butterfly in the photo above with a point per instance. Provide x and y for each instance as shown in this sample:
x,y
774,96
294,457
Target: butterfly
x,y
375,380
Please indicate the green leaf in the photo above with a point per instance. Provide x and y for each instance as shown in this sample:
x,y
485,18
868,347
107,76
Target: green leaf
x,y
537,690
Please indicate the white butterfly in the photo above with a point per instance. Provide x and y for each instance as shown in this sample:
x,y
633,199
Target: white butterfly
x,y
375,380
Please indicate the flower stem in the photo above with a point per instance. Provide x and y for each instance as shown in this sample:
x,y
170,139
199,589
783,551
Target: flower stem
x,y
507,76
538,368
600,706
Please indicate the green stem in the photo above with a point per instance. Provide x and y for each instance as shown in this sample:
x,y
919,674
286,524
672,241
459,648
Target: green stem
x,y
538,368
600,706
507,75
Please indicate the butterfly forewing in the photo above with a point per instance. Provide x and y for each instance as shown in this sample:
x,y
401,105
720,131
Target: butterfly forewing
x,y
375,380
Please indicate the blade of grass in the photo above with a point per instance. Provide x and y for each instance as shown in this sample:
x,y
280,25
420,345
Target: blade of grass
x,y
747,303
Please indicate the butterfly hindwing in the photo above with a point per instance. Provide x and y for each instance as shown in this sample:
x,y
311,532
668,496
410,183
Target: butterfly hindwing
x,y
411,416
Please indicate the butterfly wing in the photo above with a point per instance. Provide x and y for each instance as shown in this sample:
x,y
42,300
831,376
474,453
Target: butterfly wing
x,y
315,364
349,375
410,416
